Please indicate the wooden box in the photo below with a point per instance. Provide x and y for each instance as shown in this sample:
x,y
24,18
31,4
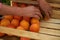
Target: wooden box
x,y
50,30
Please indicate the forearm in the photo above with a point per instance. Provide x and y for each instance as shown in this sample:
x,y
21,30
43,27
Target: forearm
x,y
7,10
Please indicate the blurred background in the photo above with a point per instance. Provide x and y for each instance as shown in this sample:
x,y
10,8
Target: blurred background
x,y
6,2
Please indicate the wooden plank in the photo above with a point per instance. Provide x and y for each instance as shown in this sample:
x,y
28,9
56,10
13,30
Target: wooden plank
x,y
19,33
27,34
54,1
1,39
47,0
50,31
24,1
56,14
56,21
50,25
55,5
35,3
47,37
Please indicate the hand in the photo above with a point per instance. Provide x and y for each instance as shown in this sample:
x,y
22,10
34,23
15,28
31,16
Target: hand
x,y
29,11
45,7
32,11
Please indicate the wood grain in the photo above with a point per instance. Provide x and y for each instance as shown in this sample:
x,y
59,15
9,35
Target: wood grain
x,y
50,25
55,5
56,21
50,31
19,33
27,34
35,3
56,14
54,1
1,39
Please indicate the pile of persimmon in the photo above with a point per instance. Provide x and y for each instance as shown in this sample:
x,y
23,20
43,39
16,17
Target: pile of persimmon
x,y
20,23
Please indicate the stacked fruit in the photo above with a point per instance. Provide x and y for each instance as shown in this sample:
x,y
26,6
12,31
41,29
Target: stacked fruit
x,y
21,23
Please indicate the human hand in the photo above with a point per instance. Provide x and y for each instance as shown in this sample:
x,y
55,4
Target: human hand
x,y
32,11
29,11
45,7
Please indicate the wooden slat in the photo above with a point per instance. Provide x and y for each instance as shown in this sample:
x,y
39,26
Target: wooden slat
x,y
50,31
19,33
27,34
56,21
56,14
47,0
54,1
34,2
50,25
47,37
1,39
28,2
55,5
56,11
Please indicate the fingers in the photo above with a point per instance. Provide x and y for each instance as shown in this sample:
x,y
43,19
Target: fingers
x,y
47,15
36,16
32,11
39,15
49,10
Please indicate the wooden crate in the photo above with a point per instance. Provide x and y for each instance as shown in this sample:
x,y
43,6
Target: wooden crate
x,y
50,30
